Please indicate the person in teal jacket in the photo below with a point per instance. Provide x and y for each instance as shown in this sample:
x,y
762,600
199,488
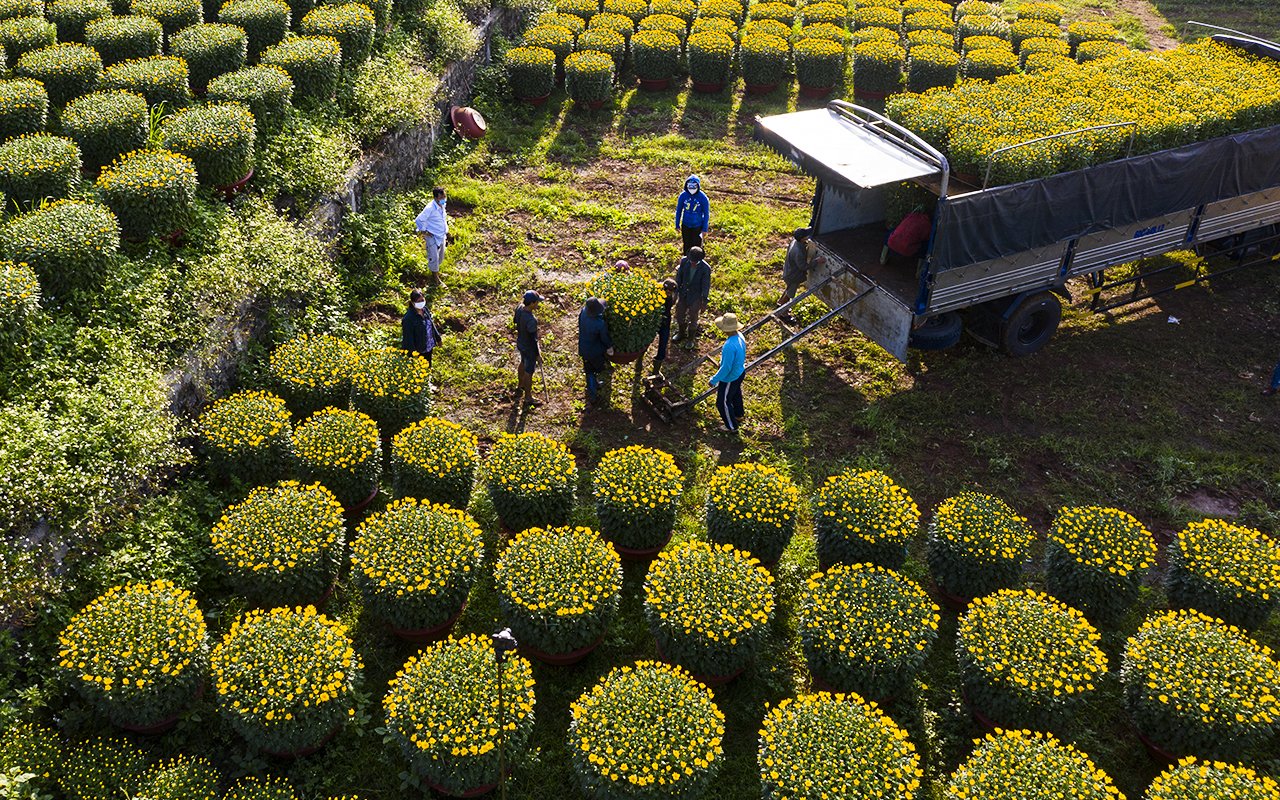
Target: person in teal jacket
x,y
693,214
728,380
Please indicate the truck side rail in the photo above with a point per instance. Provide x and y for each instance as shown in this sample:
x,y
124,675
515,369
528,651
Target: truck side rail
x,y
991,159
890,131
1231,31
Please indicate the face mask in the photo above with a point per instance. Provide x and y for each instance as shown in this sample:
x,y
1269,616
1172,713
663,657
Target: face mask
x,y
420,305
691,188
442,203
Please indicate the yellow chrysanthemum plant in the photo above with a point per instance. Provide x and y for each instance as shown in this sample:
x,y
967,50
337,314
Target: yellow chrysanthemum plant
x,y
414,564
282,545
863,516
865,629
636,492
558,589
342,450
285,679
1194,685
1190,779
1022,765
391,386
1027,660
19,305
435,459
442,710
633,302
834,745
29,749
709,607
252,787
181,778
1096,560
617,751
752,507
247,438
531,480
1225,570
313,372
138,654
977,544
102,767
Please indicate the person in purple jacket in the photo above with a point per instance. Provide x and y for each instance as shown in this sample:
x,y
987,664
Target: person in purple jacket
x,y
728,380
693,214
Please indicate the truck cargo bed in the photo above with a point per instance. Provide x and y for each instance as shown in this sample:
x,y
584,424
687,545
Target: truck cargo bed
x,y
860,248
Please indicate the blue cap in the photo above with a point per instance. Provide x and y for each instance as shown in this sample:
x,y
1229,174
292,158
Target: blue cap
x,y
532,297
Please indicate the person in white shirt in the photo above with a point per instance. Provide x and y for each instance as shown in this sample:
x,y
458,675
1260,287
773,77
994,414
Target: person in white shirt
x,y
433,227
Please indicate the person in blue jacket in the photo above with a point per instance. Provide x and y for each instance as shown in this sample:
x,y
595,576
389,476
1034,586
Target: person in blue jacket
x,y
693,213
594,345
418,331
728,380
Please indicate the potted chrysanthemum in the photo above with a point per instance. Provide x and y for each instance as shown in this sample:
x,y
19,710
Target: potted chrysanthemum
x,y
342,450
247,438
392,386
313,372
531,480
636,490
752,507
633,304
863,516
976,545
1096,559
1225,570
435,459
1016,765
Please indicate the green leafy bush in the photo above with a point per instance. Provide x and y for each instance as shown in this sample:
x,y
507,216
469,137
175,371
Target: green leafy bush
x,y
930,66
21,35
1025,29
217,138
38,166
977,545
266,90
443,712
445,34
819,62
1019,765
312,372
555,38
589,76
9,9
866,629
988,63
656,56
24,107
180,778
342,450
102,767
531,71
823,745
766,59
160,79
283,545
710,56
351,24
153,193
391,385
618,753
863,516
286,679
1225,570
31,750
120,39
138,653
531,481
708,607
1190,779
558,588
435,459
313,62
1197,686
752,507
1090,30
245,436
415,563
636,490
1096,560
210,50
607,41
389,93
67,71
174,15
982,25
68,243
71,16
265,22
106,125
19,305
1027,660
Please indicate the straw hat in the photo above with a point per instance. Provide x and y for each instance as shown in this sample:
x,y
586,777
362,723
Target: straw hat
x,y
728,323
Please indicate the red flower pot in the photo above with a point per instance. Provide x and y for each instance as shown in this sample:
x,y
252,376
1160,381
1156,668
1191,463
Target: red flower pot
x,y
954,602
708,87
429,635
620,357
815,91
1157,753
710,680
561,659
640,553
476,792
536,101
231,190
306,751
869,94
761,88
655,84
167,724
363,504
468,122
594,104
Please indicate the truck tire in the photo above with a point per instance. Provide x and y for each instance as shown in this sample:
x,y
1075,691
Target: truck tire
x,y
938,332
1031,324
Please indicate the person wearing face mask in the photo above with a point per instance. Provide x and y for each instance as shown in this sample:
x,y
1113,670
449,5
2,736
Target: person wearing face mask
x,y
433,227
418,331
693,214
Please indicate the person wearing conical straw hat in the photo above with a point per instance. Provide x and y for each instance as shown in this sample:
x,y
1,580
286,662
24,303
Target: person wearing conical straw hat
x,y
728,380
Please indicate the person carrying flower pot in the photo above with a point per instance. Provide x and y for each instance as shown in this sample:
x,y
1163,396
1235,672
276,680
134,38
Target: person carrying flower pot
x,y
693,289
728,380
594,345
664,324
433,226
693,214
527,346
802,256
419,333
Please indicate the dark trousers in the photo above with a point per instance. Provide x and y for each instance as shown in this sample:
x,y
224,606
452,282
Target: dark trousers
x,y
729,402
690,237
594,369
1275,378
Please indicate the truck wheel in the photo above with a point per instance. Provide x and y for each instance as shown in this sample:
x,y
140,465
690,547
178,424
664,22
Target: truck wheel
x,y
938,332
1031,324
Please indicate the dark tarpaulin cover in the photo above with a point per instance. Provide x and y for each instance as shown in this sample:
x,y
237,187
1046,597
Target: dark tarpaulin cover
x,y
1011,219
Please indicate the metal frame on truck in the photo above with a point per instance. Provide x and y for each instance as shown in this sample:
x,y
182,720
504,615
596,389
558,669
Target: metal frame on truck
x,y
1003,254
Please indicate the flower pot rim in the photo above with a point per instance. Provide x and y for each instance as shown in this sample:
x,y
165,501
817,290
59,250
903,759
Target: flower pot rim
x,y
168,723
232,189
428,635
639,553
536,101
654,84
363,504
561,659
